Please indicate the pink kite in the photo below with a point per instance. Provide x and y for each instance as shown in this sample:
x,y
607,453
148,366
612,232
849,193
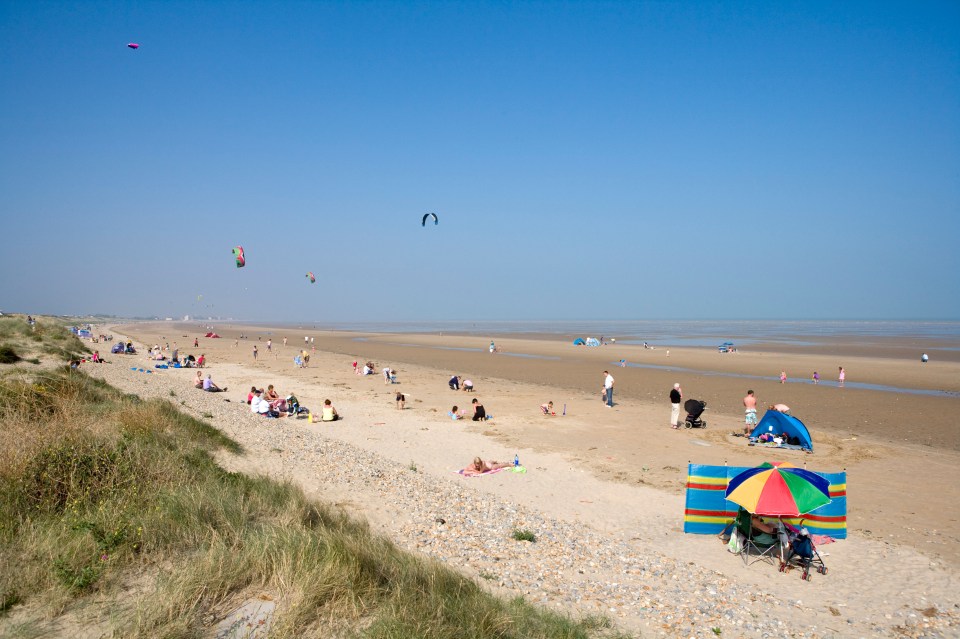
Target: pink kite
x,y
133,45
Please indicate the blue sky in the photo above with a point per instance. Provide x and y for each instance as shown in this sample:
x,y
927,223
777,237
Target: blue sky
x,y
586,160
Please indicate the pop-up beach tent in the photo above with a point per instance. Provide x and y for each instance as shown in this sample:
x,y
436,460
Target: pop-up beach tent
x,y
578,342
593,341
775,423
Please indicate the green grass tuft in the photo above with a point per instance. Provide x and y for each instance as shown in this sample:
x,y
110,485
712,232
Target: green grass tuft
x,y
522,534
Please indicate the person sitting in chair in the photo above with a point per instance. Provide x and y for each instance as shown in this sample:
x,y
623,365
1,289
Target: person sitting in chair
x,y
759,526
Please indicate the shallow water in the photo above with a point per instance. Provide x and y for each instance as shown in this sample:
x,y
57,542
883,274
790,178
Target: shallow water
x,y
823,383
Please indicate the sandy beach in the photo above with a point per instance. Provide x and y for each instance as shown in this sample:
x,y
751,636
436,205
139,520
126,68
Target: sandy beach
x,y
615,476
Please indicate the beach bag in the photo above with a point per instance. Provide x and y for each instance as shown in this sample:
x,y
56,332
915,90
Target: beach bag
x,y
735,545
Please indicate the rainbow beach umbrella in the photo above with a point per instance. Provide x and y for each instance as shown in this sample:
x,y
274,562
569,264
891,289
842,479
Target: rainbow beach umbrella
x,y
778,490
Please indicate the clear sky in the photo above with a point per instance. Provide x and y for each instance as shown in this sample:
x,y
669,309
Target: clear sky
x,y
623,160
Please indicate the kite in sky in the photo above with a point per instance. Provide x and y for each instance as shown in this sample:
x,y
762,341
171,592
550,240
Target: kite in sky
x,y
133,45
312,278
426,215
238,253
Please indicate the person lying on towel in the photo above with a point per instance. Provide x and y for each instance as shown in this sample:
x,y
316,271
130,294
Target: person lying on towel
x,y
479,467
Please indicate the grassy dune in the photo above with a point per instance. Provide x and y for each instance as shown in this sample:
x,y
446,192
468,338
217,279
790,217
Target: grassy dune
x,y
113,511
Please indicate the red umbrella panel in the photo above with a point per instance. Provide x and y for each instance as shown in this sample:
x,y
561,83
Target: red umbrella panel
x,y
779,490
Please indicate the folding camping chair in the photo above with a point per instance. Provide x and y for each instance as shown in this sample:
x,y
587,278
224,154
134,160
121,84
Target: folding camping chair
x,y
759,546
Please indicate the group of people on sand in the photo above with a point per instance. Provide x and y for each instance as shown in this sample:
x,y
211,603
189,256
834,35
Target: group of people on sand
x,y
815,378
206,383
479,412
369,368
459,383
269,403
750,412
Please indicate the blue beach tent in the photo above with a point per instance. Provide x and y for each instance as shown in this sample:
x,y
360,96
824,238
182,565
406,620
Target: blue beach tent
x,y
578,342
776,422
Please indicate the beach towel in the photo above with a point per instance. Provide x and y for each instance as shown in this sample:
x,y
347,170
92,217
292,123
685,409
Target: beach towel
x,y
779,446
473,473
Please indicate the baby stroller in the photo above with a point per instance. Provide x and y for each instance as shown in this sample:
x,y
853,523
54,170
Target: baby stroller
x,y
803,552
694,408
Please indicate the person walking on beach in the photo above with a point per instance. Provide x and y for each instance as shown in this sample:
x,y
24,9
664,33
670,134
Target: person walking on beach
x,y
750,413
269,345
842,377
676,395
816,377
284,342
608,387
783,377
401,400
254,352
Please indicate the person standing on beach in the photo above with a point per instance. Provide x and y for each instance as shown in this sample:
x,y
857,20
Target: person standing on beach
x,y
750,412
676,395
842,377
401,400
608,387
816,377
783,377
254,352
269,345
284,342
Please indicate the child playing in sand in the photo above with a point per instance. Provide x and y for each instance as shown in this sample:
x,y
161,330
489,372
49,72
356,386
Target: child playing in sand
x,y
455,413
401,400
547,409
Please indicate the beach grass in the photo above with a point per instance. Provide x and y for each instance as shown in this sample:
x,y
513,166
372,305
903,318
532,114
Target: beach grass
x,y
109,498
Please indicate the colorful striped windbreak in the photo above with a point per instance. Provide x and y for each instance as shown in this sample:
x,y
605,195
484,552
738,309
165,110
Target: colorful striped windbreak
x,y
708,512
